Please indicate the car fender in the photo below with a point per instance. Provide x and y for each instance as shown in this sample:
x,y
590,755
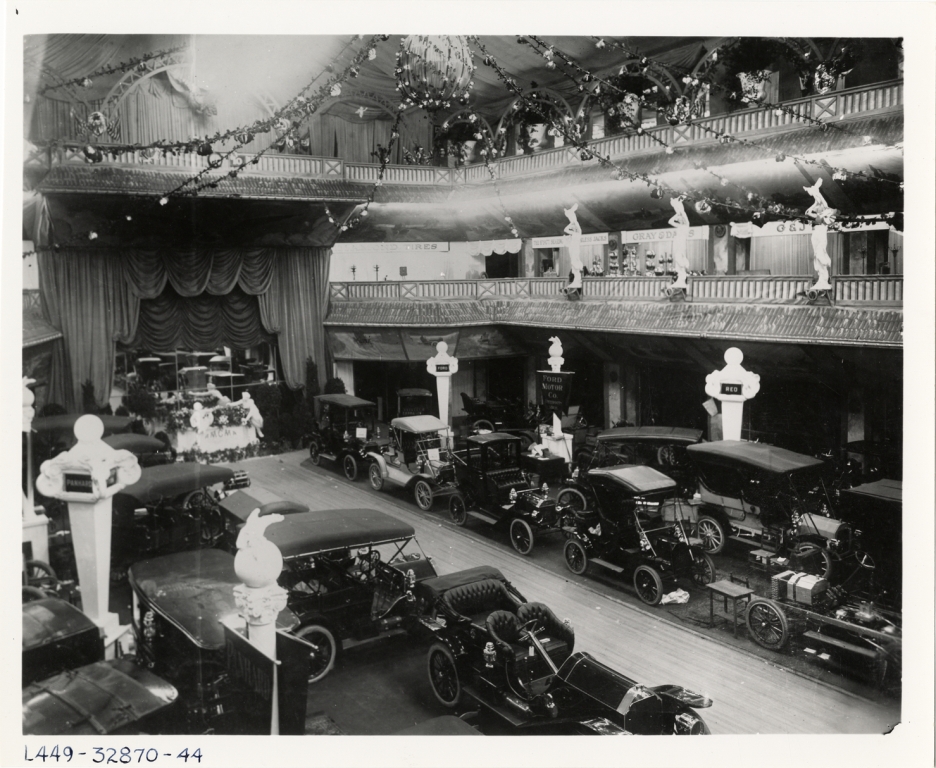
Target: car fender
x,y
380,460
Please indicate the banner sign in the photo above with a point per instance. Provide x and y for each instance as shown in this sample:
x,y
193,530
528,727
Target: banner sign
x,y
554,389
339,248
777,228
599,238
660,235
292,691
251,667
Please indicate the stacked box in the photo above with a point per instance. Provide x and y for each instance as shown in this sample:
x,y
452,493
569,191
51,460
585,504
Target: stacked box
x,y
809,589
779,584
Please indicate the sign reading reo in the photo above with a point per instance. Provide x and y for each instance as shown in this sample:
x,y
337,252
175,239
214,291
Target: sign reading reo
x,y
555,389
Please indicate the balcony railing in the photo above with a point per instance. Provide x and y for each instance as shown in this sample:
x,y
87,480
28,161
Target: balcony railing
x,y
884,290
856,101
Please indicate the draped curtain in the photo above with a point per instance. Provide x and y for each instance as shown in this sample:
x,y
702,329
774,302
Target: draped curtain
x,y
197,297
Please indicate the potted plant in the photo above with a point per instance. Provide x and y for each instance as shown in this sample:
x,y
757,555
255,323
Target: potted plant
x,y
747,64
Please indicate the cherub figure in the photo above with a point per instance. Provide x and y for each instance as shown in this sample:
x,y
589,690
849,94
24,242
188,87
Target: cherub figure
x,y
573,242
822,216
680,242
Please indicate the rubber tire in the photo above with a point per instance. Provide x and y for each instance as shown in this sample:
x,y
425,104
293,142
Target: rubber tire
x,y
375,476
326,639
767,624
572,497
827,565
575,556
521,536
423,496
315,453
483,424
646,572
440,661
350,466
709,575
717,534
458,509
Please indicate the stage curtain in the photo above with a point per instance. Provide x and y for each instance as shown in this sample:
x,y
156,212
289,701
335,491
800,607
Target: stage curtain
x,y
84,295
171,321
191,272
295,308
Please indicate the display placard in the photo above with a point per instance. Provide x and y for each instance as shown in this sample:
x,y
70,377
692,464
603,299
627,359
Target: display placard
x,y
555,387
442,368
78,482
360,433
731,388
250,666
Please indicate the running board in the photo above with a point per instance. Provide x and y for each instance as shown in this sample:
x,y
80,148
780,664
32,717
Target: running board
x,y
329,456
507,713
482,516
606,564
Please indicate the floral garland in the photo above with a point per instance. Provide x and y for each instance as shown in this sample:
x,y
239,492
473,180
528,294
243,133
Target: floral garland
x,y
233,415
222,456
138,63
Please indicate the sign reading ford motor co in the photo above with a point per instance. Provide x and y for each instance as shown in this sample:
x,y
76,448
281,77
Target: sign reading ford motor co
x,y
555,388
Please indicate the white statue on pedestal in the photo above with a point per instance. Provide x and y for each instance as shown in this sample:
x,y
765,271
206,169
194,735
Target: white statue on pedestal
x,y
555,354
573,242
822,216
253,413
680,242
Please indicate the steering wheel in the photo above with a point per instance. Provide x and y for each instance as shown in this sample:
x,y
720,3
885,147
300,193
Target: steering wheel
x,y
529,627
367,561
864,559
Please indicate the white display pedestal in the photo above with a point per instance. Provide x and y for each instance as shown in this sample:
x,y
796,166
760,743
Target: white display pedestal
x,y
559,446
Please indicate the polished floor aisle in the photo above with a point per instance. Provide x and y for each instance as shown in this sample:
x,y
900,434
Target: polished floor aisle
x,y
751,695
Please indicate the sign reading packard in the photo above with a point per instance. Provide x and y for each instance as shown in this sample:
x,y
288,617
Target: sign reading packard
x,y
555,387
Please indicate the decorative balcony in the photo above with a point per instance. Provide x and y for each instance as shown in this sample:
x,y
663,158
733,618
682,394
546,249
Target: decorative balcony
x,y
855,102
862,290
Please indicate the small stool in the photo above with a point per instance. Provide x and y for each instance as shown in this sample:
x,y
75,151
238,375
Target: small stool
x,y
728,590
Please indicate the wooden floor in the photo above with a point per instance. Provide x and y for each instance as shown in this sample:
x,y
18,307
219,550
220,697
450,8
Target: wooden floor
x,y
750,695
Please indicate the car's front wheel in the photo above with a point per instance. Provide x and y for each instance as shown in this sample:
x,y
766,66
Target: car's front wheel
x,y
375,476
521,536
458,509
816,559
576,559
350,466
422,492
648,584
323,650
712,534
443,675
315,452
767,624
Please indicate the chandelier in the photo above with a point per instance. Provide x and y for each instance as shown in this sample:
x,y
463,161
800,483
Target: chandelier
x,y
433,70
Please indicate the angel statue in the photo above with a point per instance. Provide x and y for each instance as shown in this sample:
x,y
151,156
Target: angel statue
x,y
680,242
822,216
573,242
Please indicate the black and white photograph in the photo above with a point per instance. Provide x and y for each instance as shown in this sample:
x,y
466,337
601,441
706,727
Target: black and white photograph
x,y
465,381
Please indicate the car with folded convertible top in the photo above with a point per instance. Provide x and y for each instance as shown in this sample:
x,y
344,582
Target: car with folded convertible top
x,y
494,649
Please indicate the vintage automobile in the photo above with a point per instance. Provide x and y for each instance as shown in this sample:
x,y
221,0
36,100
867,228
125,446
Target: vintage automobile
x,y
346,430
179,603
663,448
876,508
506,417
114,697
772,498
150,451
171,507
350,573
633,532
516,659
57,636
417,458
493,488
834,623
413,401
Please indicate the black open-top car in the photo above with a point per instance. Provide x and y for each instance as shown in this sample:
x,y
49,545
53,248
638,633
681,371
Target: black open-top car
x,y
516,659
493,488
346,430
350,573
637,529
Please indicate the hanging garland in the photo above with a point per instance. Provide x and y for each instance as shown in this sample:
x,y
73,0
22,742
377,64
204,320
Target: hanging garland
x,y
138,63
